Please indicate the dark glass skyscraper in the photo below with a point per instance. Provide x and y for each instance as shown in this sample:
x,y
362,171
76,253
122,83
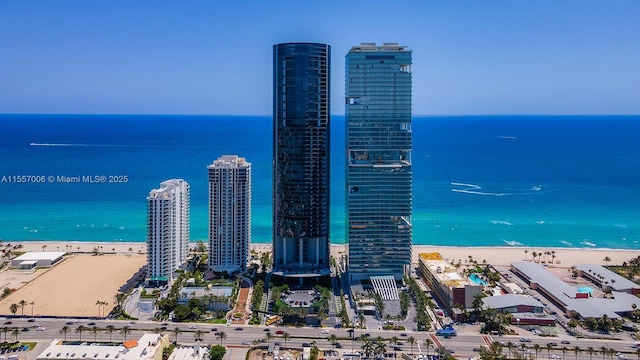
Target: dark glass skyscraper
x,y
378,168
301,117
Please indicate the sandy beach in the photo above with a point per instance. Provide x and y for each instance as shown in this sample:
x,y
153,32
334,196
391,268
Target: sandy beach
x,y
72,287
564,257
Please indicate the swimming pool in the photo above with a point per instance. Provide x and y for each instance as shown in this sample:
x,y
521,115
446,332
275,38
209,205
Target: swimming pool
x,y
477,280
585,289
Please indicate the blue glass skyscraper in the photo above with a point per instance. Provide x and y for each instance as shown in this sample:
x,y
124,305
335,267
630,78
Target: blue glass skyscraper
x,y
378,160
301,119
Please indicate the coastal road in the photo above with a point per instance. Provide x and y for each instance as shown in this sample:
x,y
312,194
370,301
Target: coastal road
x,y
462,345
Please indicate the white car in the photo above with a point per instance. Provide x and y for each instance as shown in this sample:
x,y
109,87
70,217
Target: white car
x,y
192,327
40,328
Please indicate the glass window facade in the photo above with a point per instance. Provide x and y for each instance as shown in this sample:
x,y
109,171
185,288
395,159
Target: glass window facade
x,y
301,119
378,162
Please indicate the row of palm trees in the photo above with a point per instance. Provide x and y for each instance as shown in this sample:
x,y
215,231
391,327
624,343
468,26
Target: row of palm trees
x,y
125,332
539,255
495,351
21,304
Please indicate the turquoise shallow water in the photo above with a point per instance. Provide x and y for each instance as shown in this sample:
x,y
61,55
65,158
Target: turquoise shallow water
x,y
478,181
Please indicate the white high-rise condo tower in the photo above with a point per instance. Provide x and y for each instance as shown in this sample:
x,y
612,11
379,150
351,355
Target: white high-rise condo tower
x,y
167,230
229,213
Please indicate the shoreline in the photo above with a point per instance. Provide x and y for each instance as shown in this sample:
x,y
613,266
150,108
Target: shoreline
x,y
564,257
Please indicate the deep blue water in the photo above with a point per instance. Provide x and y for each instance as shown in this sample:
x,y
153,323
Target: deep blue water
x,y
483,181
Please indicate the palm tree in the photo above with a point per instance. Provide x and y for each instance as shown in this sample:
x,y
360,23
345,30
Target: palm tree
x,y
14,309
591,351
119,297
526,252
604,350
15,332
80,329
606,260
198,335
22,303
125,331
333,339
110,329
64,331
176,331
94,330
576,349
5,330
222,336
411,340
394,341
537,348
428,343
549,347
510,347
269,336
286,336
534,255
32,304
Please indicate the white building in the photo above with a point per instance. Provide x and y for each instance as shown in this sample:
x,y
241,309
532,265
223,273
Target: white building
x,y
148,347
32,260
167,230
229,213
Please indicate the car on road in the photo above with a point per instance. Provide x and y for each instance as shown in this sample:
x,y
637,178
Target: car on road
x,y
338,345
552,343
68,323
525,340
280,332
267,329
403,334
8,322
565,342
325,331
246,342
40,328
238,329
214,329
91,324
25,329
192,327
31,320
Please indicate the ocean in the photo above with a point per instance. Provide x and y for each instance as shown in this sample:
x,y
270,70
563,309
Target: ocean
x,y
530,181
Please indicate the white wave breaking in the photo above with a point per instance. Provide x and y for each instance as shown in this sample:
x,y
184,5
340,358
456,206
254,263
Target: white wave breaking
x,y
512,242
501,222
480,192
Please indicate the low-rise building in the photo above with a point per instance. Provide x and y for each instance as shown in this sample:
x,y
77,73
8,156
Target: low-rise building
x,y
32,260
607,279
148,347
570,298
448,285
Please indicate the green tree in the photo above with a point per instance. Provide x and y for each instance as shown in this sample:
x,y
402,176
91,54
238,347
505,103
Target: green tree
x,y
14,309
198,335
94,330
269,336
15,332
110,329
428,343
5,330
125,331
64,331
333,339
217,352
22,304
221,336
286,337
176,331
411,340
80,329
576,350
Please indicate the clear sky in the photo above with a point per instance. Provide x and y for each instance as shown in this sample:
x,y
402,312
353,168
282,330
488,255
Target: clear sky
x,y
215,57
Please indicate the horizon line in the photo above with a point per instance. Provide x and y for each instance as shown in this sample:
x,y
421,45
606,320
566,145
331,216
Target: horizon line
x,y
337,114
